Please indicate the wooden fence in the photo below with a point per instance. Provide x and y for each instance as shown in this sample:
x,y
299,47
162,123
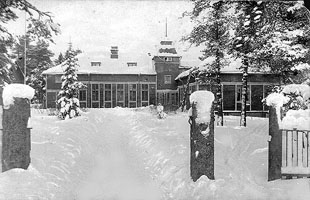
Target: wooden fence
x,y
295,153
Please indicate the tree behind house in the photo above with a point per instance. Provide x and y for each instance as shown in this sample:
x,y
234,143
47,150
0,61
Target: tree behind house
x,y
68,104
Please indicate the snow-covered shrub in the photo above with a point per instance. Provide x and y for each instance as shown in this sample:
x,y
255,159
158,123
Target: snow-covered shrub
x,y
292,106
69,107
290,97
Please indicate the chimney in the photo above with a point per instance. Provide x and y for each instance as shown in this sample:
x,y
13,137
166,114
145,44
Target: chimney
x,y
114,52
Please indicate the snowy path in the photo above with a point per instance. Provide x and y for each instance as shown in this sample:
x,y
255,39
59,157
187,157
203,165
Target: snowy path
x,y
129,154
118,174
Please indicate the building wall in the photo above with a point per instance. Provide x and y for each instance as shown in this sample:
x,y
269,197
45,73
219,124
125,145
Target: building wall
x,y
162,68
105,90
258,88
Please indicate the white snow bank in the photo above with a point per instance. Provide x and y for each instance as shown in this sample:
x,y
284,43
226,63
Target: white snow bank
x,y
203,100
299,119
12,91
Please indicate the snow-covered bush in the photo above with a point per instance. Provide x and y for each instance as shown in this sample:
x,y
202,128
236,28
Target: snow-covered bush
x,y
292,105
67,104
69,107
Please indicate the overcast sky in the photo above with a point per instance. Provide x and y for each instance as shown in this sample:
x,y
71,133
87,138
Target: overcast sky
x,y
133,25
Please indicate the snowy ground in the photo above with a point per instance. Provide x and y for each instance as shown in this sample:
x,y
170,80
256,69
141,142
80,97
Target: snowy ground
x,y
124,154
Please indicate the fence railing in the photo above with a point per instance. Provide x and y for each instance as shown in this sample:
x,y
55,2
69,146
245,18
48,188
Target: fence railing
x,y
295,152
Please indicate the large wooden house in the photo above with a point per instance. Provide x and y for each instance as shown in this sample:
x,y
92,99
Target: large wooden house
x,y
145,79
123,80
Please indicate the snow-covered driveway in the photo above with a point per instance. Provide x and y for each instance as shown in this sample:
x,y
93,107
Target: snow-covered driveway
x,y
129,154
117,173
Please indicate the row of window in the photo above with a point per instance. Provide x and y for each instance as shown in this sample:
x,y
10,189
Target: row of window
x,y
231,95
101,95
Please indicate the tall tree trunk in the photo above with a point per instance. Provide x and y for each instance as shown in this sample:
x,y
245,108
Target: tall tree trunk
x,y
244,91
186,91
219,105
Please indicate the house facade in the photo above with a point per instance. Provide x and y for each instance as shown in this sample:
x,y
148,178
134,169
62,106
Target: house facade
x,y
145,79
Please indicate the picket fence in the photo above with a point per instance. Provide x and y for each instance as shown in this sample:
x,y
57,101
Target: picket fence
x,y
295,153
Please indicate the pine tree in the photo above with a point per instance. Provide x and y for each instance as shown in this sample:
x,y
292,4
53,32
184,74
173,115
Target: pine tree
x,y
40,26
38,59
60,59
246,42
211,31
286,48
68,104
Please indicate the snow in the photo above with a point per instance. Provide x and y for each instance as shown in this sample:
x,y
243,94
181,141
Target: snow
x,y
276,100
298,5
302,66
12,91
109,66
298,89
129,154
299,119
203,101
293,119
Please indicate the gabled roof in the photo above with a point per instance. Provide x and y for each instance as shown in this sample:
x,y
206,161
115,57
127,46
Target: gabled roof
x,y
110,66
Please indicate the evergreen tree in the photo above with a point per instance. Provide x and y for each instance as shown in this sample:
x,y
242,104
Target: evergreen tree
x,y
68,104
40,25
38,59
285,50
60,59
246,41
211,31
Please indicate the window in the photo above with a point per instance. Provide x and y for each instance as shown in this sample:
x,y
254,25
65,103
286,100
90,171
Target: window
x,y
93,64
120,98
83,98
132,64
167,79
132,95
168,59
145,94
58,79
95,95
108,96
239,96
257,97
229,97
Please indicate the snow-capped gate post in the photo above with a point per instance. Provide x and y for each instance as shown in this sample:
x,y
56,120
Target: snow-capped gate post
x,y
275,101
201,120
16,142
274,146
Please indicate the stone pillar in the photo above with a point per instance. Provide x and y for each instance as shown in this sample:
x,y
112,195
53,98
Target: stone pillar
x,y
16,142
202,146
274,146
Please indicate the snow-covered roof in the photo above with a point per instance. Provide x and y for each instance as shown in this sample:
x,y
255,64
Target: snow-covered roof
x,y
110,66
232,67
